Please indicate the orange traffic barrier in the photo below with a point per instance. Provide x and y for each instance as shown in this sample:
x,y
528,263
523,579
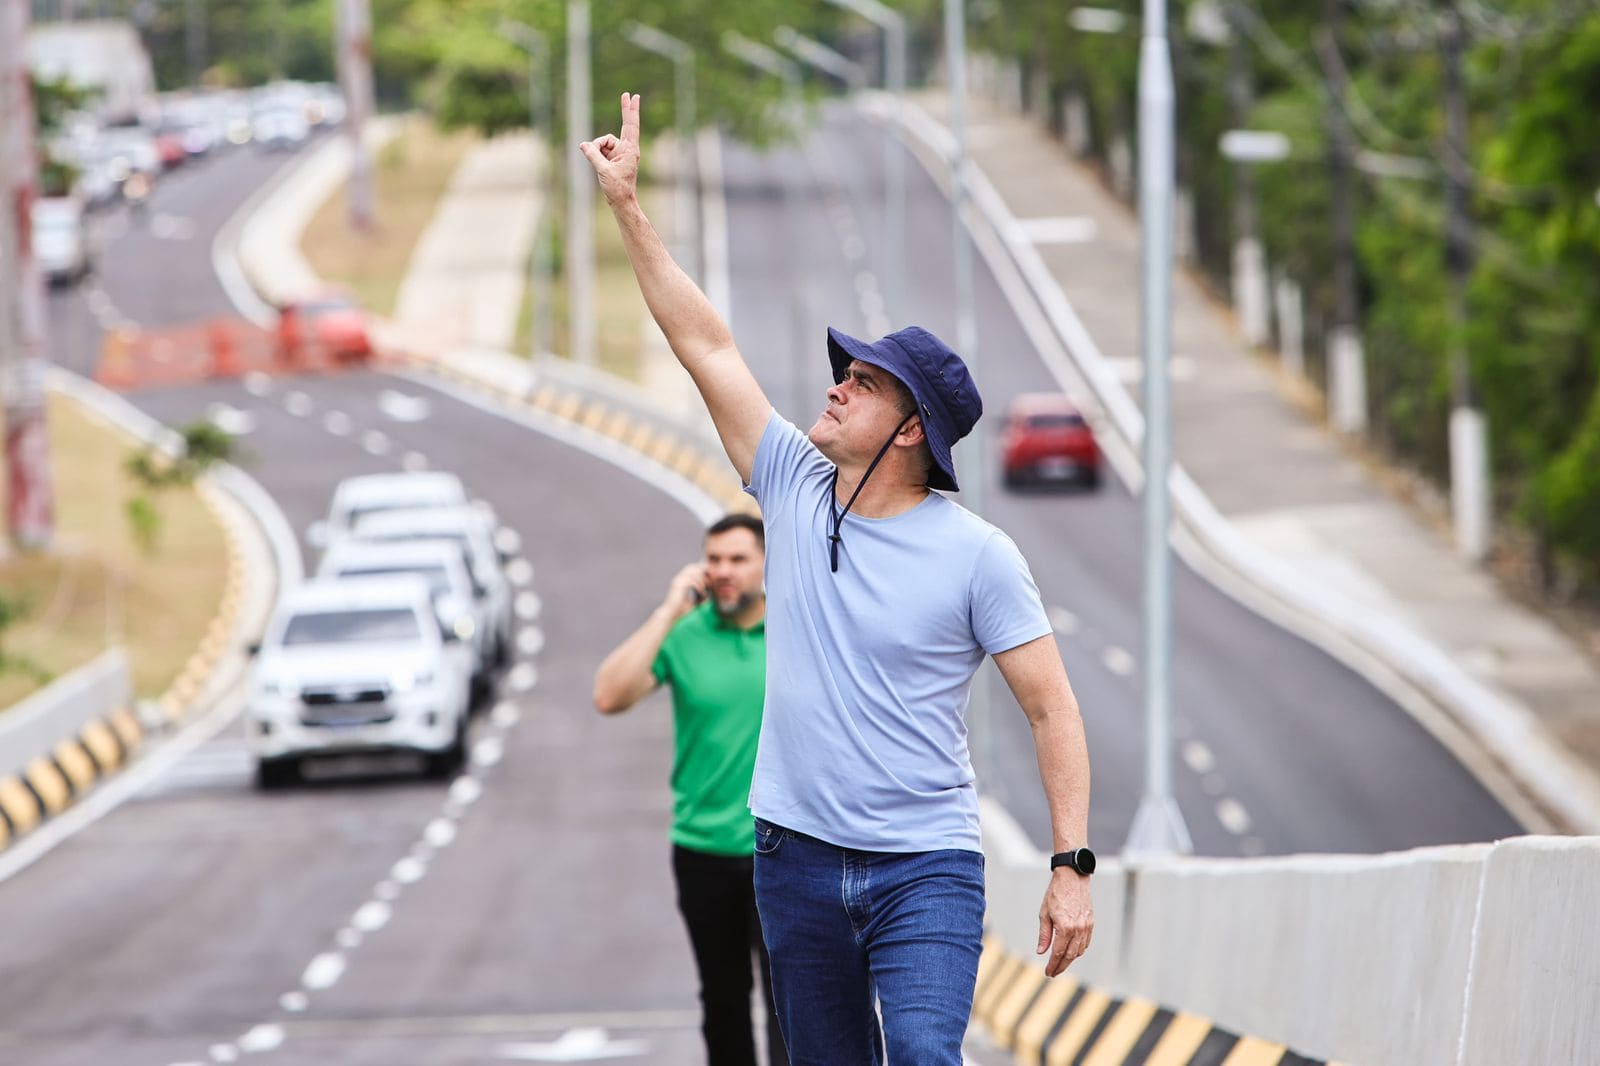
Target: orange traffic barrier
x,y
224,355
116,360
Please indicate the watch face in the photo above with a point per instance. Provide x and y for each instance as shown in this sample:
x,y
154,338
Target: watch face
x,y
1085,861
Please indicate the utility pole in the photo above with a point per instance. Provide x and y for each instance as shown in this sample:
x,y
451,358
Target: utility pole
x,y
1249,257
1469,448
681,56
893,25
1347,374
1158,827
974,464
355,77
540,121
30,503
194,12
580,190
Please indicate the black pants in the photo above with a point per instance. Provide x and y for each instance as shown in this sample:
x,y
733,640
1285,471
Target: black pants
x,y
717,897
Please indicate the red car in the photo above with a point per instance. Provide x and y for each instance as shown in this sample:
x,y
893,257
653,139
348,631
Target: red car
x,y
1046,439
329,325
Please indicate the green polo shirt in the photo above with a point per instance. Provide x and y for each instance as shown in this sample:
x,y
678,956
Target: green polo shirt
x,y
718,676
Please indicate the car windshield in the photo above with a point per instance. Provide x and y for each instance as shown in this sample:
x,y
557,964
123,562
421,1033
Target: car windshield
x,y
1055,421
438,577
362,626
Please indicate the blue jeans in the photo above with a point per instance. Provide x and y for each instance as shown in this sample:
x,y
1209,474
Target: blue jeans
x,y
845,927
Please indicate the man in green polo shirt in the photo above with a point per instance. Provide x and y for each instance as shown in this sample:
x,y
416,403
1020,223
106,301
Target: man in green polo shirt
x,y
707,642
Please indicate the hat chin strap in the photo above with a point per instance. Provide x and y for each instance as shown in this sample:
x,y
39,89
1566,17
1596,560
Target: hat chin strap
x,y
836,534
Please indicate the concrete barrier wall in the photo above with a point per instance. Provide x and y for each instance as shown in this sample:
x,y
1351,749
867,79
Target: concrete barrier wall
x,y
1535,991
62,709
1475,955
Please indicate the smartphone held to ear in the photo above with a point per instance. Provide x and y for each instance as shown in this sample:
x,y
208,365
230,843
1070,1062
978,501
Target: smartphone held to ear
x,y
697,596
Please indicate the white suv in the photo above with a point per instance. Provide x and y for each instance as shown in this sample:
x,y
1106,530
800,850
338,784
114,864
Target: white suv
x,y
356,497
356,666
473,530
442,565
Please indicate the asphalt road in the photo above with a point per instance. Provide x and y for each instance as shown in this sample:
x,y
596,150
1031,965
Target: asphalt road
x,y
1281,749
372,916
527,914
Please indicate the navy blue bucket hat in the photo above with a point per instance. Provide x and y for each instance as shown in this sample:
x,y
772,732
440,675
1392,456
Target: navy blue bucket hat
x,y
947,401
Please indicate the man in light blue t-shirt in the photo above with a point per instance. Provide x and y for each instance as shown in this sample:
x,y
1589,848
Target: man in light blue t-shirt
x,y
883,597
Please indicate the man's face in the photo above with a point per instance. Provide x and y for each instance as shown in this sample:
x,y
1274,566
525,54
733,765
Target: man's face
x,y
862,411
734,562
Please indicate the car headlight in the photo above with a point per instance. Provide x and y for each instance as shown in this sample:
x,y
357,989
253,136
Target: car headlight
x,y
464,628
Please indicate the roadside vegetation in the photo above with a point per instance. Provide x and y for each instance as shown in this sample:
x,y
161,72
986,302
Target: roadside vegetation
x,y
1532,335
100,586
410,174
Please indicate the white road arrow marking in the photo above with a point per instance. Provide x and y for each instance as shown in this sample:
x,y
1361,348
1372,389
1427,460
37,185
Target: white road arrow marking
x,y
576,1045
231,420
401,407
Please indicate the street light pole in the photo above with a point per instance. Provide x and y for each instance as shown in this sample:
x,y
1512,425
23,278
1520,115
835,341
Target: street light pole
x,y
788,71
540,120
893,25
580,190
681,55
1158,827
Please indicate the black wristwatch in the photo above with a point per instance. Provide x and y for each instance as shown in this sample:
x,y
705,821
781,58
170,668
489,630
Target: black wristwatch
x,y
1080,860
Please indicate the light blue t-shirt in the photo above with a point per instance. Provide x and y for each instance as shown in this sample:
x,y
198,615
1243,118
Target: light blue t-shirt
x,y
863,740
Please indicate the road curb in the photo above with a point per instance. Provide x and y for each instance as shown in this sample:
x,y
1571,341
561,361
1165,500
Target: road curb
x,y
57,779
599,407
1500,741
1060,1021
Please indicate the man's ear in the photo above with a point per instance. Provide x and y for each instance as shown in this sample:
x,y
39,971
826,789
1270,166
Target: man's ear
x,y
911,433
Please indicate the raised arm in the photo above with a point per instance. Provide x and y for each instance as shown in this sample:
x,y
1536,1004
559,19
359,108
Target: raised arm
x,y
1038,679
625,676
698,335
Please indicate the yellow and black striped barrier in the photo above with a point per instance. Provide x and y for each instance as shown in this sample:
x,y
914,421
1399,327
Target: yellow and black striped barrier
x,y
1065,1022
703,467
52,781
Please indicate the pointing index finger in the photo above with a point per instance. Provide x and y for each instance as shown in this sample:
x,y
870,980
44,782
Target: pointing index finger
x,y
630,117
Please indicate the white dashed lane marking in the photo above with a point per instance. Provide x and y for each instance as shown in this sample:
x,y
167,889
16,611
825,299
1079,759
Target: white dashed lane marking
x,y
1234,818
530,640
1198,757
338,423
298,404
1117,660
528,605
1063,621
323,971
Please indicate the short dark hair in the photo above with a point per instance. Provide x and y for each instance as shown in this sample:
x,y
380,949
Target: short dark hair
x,y
739,520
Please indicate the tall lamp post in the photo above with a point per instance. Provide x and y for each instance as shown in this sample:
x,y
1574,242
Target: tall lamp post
x,y
1158,827
893,25
685,223
786,70
541,120
580,190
